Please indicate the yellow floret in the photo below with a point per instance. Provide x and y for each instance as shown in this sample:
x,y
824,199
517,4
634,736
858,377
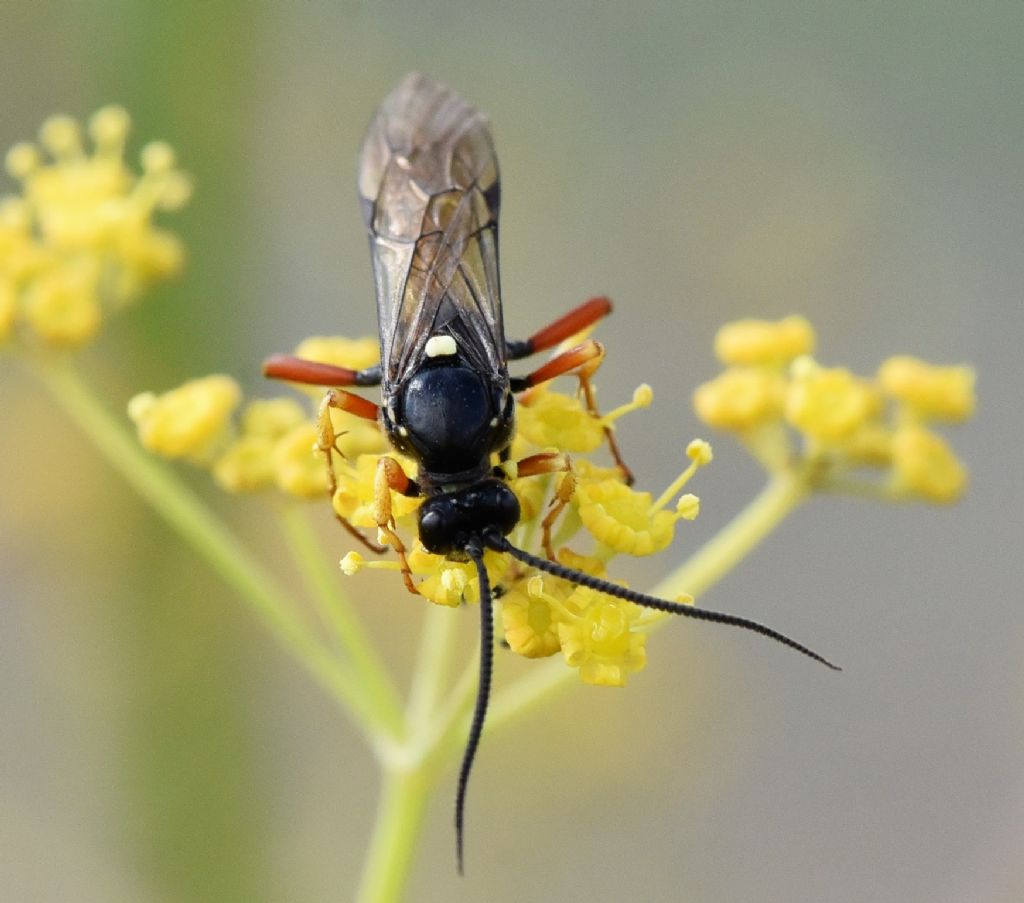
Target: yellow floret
x,y
271,418
530,624
688,506
550,419
622,519
924,465
700,452
355,437
62,306
449,583
61,136
21,160
297,469
352,563
452,583
740,398
20,255
870,444
600,642
188,422
940,393
356,354
247,465
531,493
828,404
752,342
80,242
109,127
257,459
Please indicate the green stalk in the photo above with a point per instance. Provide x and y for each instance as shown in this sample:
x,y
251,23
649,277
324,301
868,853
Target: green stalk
x,y
337,612
436,634
400,811
205,533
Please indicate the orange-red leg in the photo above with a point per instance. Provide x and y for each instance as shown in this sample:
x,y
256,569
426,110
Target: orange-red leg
x,y
327,445
297,370
390,477
609,434
584,358
576,320
550,462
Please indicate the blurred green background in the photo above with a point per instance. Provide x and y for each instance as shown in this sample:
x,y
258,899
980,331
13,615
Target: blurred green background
x,y
859,163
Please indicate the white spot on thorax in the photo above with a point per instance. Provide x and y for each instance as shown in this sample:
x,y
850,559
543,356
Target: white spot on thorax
x,y
440,346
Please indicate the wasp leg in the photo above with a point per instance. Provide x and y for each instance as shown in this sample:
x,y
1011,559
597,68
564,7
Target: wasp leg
x,y
390,476
550,462
576,320
297,370
583,361
609,434
327,445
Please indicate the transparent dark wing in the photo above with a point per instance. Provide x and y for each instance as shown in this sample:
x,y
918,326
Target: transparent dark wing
x,y
428,180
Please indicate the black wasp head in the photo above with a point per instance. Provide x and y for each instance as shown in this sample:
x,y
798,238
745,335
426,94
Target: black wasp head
x,y
449,521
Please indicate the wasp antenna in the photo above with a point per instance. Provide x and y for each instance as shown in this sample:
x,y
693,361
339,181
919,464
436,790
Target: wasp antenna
x,y
501,544
483,694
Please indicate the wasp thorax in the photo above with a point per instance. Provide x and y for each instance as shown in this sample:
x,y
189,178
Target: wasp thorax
x,y
450,419
449,521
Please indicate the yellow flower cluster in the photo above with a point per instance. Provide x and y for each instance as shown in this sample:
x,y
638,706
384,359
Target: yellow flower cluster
x,y
79,240
772,393
273,443
269,444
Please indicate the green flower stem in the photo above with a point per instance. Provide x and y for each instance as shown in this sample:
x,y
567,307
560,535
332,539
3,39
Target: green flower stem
x,y
201,529
784,493
432,660
400,811
322,582
450,724
411,768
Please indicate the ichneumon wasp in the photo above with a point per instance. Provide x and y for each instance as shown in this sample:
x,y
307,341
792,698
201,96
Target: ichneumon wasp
x,y
428,183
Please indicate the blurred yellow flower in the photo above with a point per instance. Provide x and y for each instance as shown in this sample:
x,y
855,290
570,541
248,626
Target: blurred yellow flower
x,y
828,404
923,464
740,398
297,470
62,305
247,465
931,392
755,342
846,422
80,240
191,421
